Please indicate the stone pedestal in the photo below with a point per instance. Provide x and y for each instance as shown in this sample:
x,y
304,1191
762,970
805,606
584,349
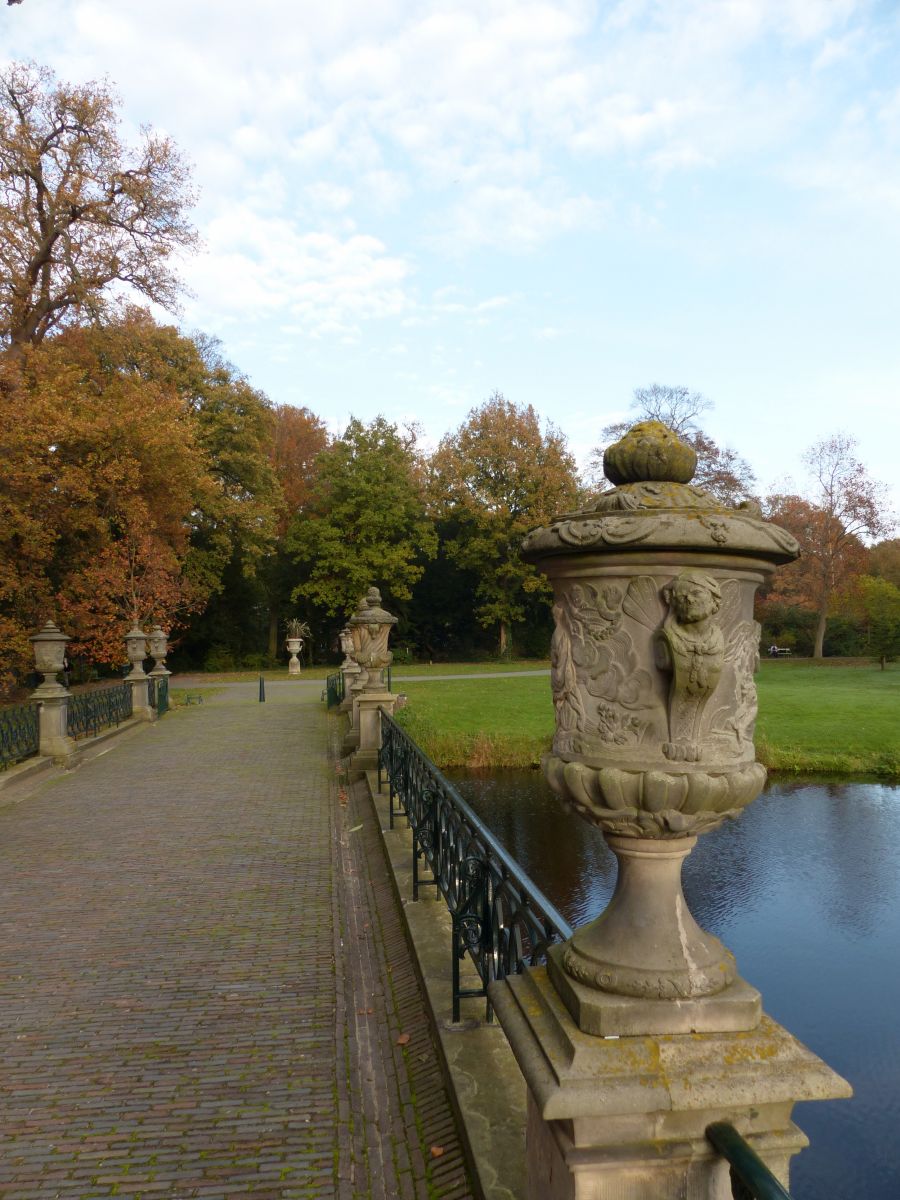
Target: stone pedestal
x,y
350,672
53,719
369,706
140,697
623,1118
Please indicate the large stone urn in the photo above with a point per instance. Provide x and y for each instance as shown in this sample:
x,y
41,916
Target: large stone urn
x,y
653,656
371,626
49,646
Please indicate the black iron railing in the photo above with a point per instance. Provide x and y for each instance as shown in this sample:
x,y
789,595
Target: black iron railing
x,y
98,708
19,733
751,1179
500,920
334,688
162,695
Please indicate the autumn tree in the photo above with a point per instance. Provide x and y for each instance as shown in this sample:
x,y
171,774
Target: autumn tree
x,y
844,506
491,480
720,470
881,611
141,474
366,523
299,437
884,560
97,490
81,211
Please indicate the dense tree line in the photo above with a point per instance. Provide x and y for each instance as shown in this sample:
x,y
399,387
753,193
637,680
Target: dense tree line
x,y
143,477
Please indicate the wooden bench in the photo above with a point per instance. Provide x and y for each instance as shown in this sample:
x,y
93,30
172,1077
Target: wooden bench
x,y
780,652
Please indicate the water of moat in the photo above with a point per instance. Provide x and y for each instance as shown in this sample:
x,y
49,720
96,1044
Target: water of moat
x,y
805,889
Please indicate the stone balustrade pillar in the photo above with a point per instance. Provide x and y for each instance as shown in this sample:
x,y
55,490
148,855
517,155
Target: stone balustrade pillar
x,y
52,697
136,648
639,1031
371,627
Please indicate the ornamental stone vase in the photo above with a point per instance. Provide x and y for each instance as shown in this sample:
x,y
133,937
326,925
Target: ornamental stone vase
x,y
136,649
294,646
159,648
371,626
653,656
49,657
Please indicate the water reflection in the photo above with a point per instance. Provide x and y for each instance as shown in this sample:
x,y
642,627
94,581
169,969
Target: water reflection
x,y
805,889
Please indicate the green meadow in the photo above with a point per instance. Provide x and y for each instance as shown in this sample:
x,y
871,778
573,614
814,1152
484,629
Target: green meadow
x,y
831,718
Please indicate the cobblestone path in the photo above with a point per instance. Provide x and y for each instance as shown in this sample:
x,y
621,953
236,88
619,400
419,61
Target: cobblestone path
x,y
203,976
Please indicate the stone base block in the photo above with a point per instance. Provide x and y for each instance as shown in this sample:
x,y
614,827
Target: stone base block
x,y
735,1009
350,742
364,760
624,1118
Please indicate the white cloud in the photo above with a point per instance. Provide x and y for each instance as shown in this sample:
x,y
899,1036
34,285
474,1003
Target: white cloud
x,y
260,268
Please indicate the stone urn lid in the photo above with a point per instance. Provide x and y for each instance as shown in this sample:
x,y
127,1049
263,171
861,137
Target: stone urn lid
x,y
50,634
654,506
370,612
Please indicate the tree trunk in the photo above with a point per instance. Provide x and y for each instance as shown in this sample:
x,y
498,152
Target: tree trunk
x,y
504,638
273,631
818,651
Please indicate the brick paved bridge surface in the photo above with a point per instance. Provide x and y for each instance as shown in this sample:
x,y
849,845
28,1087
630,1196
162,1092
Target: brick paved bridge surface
x,y
203,975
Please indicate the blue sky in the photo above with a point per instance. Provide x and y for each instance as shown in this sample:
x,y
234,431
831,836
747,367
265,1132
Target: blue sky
x,y
407,205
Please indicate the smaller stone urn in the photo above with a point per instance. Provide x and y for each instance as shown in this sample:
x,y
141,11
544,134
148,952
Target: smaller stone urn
x,y
346,640
159,648
297,630
136,649
49,658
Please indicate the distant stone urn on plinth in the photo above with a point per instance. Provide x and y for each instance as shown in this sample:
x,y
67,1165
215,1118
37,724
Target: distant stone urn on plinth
x,y
653,657
297,630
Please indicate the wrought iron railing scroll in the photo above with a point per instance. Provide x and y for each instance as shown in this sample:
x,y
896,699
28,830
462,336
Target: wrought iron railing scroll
x,y
98,708
19,733
500,919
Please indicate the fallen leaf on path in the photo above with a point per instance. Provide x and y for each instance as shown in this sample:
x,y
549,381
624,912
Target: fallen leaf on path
x,y
437,1151
402,1039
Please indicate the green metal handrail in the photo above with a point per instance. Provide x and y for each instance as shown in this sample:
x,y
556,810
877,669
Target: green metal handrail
x,y
19,736
500,919
97,708
751,1179
334,688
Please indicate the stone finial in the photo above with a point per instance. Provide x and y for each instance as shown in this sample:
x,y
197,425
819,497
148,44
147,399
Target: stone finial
x,y
650,452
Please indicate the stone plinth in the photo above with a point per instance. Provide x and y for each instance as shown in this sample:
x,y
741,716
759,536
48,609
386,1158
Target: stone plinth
x,y
350,672
623,1118
368,707
53,731
140,697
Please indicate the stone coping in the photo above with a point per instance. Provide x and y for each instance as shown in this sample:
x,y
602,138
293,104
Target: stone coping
x,y
485,1082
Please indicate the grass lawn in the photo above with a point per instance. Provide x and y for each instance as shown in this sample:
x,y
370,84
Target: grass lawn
x,y
825,718
399,670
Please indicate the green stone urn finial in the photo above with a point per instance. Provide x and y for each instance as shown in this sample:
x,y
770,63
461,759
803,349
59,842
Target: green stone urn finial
x,y
649,452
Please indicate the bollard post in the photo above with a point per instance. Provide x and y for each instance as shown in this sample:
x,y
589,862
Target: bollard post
x,y
262,690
